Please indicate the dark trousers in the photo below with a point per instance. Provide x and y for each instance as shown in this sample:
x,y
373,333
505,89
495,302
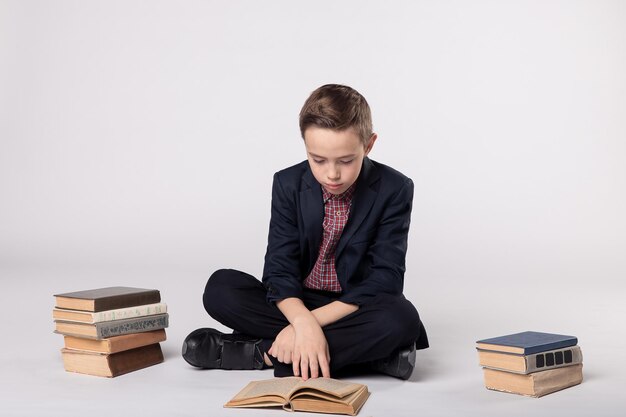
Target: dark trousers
x,y
376,330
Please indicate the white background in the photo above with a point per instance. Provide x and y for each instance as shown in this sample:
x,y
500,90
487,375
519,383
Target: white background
x,y
138,141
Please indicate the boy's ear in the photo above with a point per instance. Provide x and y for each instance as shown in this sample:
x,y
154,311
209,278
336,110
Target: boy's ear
x,y
370,144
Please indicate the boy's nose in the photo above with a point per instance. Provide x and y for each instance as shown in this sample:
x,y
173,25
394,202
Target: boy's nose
x,y
333,174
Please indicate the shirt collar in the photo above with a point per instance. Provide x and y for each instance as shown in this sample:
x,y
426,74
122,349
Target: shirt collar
x,y
345,196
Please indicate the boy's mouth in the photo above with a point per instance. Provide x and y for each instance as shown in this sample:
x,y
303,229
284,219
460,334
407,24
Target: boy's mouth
x,y
333,186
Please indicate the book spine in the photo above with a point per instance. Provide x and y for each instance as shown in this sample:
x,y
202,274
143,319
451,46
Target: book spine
x,y
107,329
536,384
553,359
129,312
135,359
556,379
126,300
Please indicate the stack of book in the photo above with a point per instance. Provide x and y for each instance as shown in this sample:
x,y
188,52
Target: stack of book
x,y
530,363
110,331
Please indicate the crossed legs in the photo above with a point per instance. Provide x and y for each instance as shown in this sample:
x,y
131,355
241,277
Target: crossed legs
x,y
375,331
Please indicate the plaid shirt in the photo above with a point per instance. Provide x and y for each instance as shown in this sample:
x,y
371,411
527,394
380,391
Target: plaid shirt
x,y
323,276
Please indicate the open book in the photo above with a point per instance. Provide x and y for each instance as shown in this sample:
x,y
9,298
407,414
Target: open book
x,y
319,395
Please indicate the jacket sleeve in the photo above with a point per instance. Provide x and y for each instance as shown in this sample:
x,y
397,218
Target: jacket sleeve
x,y
281,273
385,257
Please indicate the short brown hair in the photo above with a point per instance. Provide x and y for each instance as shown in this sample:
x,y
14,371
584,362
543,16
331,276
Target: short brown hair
x,y
337,107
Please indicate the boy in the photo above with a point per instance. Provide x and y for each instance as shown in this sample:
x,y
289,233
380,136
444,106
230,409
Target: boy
x,y
331,292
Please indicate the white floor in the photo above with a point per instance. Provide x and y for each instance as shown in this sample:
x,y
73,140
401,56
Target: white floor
x,y
447,380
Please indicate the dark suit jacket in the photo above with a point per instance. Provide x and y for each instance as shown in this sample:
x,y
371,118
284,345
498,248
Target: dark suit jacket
x,y
370,255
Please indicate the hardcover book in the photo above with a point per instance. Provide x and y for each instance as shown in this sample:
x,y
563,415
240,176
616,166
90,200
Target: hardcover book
x,y
535,384
116,343
319,395
108,315
525,364
112,365
107,329
109,298
526,343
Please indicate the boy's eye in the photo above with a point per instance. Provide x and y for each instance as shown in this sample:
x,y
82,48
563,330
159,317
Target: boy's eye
x,y
342,162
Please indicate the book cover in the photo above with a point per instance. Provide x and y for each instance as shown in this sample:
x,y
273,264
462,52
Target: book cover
x,y
319,395
526,343
107,329
109,315
108,298
535,384
111,365
525,364
116,343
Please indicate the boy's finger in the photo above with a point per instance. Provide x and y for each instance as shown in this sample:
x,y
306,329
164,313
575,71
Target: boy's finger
x,y
314,368
304,368
325,367
296,365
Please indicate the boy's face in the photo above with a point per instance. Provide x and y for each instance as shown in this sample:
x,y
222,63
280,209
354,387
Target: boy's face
x,y
335,157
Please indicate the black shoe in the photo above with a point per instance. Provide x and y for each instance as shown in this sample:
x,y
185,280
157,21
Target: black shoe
x,y
399,364
211,349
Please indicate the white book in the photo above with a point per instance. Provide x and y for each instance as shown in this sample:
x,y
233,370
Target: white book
x,y
109,315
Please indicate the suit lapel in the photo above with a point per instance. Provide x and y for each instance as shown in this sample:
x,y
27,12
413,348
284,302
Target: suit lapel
x,y
362,201
312,208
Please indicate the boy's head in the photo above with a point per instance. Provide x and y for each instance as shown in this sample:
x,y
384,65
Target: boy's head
x,y
336,125
337,107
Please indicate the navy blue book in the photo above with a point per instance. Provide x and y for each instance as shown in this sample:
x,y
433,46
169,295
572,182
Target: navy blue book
x,y
527,343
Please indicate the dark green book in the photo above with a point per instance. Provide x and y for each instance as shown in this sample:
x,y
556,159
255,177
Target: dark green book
x,y
527,343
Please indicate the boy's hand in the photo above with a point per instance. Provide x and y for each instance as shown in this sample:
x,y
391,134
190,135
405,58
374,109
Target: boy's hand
x,y
282,348
310,351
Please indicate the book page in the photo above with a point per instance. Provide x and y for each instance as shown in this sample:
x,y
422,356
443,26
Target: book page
x,y
315,394
332,386
277,386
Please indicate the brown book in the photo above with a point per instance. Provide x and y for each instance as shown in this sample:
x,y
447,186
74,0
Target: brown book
x,y
106,329
115,344
319,395
100,364
109,298
535,384
525,364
